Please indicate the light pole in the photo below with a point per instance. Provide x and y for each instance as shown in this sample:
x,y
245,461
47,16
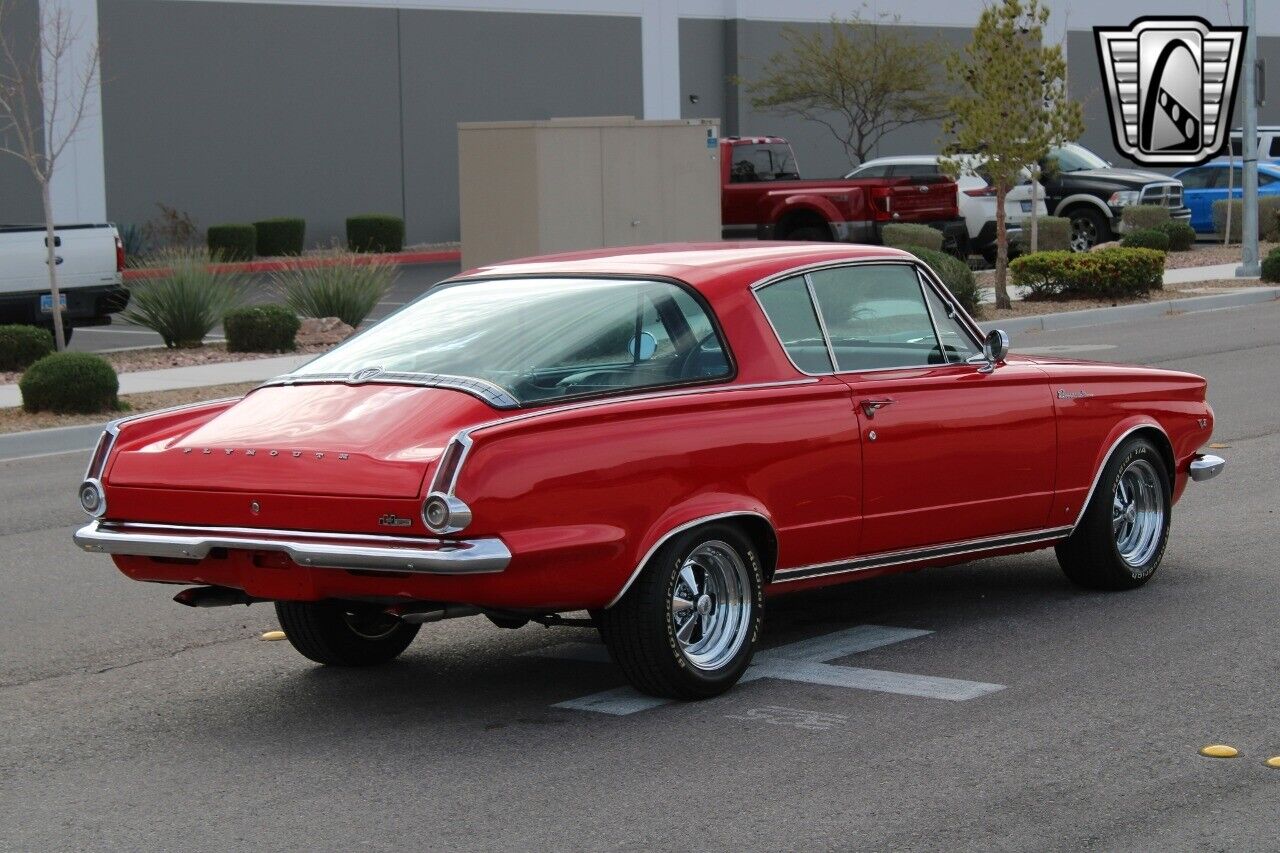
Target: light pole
x,y
1249,221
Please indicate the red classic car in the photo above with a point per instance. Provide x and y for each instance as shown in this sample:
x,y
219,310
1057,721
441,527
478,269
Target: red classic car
x,y
660,436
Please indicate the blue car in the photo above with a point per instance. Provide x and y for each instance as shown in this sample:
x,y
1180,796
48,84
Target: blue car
x,y
1203,185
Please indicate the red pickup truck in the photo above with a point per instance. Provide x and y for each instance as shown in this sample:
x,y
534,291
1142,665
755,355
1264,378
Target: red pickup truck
x,y
762,195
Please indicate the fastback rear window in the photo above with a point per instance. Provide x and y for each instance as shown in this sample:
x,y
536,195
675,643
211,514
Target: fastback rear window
x,y
541,339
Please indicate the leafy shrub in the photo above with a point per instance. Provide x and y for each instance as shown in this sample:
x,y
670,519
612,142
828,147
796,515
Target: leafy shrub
x,y
955,274
283,235
375,232
903,235
232,242
1181,235
22,346
1268,226
1053,234
1109,273
343,286
70,383
1146,238
183,297
261,328
1137,217
1271,266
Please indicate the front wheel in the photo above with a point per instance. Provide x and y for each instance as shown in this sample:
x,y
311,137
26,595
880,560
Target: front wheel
x,y
339,634
688,626
1120,540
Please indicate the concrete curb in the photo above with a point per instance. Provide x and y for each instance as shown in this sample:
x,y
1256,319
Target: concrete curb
x,y
398,258
1128,313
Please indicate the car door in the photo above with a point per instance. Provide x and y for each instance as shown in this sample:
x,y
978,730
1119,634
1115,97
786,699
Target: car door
x,y
950,451
1197,187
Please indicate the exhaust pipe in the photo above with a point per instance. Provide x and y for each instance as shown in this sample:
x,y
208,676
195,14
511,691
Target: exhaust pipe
x,y
213,596
432,613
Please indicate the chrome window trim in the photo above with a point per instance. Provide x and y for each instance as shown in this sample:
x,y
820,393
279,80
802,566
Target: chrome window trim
x,y
822,322
913,555
344,551
1097,477
755,294
945,297
482,389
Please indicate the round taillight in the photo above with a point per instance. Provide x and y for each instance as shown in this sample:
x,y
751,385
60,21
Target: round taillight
x,y
92,499
443,513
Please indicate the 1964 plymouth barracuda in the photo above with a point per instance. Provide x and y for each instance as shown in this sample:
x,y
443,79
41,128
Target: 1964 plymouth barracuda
x,y
661,436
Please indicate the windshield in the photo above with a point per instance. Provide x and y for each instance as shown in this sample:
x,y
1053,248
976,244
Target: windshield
x,y
1076,158
539,339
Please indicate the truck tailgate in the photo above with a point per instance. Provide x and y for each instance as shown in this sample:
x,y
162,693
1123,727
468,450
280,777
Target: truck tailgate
x,y
86,257
918,201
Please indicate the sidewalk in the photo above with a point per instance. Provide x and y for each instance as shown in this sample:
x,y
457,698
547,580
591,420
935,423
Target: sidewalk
x,y
199,376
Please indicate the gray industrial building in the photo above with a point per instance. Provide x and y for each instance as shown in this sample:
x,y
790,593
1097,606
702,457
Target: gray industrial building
x,y
234,111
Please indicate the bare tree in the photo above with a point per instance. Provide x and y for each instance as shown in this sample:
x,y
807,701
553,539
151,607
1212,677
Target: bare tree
x,y
859,79
43,101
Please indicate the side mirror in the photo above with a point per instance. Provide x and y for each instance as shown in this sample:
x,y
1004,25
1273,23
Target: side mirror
x,y
996,346
644,346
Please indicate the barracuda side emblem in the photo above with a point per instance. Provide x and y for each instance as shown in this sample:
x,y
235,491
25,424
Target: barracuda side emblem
x,y
1171,85
391,520
1072,395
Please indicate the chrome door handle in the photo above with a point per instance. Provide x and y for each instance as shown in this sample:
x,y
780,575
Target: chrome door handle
x,y
870,407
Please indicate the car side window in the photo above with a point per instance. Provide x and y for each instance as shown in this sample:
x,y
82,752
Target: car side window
x,y
880,171
876,317
790,312
1264,179
1197,179
914,170
957,345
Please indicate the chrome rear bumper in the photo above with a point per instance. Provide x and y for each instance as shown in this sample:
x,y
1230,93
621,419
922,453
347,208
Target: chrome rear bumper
x,y
1205,467
307,548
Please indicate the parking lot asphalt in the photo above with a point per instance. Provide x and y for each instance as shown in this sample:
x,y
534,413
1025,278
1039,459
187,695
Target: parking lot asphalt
x,y
410,283
977,707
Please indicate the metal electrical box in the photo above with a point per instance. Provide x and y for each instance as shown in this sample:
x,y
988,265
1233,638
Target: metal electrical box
x,y
530,188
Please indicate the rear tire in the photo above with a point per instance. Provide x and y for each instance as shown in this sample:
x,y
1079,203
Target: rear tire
x,y
1121,537
337,634
689,624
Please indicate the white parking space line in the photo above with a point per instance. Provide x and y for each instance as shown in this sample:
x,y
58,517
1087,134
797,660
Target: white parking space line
x,y
806,661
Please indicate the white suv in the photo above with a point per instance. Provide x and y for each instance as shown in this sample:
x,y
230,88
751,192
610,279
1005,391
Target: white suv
x,y
974,196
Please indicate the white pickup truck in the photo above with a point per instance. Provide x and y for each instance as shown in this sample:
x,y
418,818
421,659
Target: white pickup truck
x,y
90,261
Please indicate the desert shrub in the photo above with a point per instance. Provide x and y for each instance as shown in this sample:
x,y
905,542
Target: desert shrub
x,y
183,297
172,229
955,274
1268,225
1107,274
231,242
261,328
134,239
903,235
1053,234
283,235
23,346
1271,266
1137,217
1181,235
70,383
342,285
1146,238
375,232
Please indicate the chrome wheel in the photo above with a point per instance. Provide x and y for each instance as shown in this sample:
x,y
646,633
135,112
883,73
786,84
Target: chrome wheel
x,y
711,604
1084,234
1138,514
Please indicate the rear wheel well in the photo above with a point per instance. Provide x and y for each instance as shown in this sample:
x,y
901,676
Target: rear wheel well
x,y
798,219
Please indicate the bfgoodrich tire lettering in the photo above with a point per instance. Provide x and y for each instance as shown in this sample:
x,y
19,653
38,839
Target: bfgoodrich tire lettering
x,y
711,574
1121,537
336,634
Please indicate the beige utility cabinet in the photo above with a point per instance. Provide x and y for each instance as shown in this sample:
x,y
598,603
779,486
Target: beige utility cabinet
x,y
529,188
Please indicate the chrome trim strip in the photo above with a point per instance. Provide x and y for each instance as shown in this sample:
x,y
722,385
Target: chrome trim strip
x,y
822,322
913,555
1105,459
481,389
463,439
325,550
662,540
1206,466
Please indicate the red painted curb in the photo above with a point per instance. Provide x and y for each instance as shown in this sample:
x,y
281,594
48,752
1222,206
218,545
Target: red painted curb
x,y
398,258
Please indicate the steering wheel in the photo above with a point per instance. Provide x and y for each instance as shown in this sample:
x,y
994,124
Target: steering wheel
x,y
699,351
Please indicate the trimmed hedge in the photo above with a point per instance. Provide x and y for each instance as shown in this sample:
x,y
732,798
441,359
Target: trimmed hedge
x,y
1053,235
1181,235
70,383
375,232
1107,274
1271,266
23,346
1268,226
1146,238
232,242
955,274
283,235
261,328
1137,217
904,235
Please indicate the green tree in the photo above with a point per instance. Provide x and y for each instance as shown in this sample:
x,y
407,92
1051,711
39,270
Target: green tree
x,y
859,79
1011,106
